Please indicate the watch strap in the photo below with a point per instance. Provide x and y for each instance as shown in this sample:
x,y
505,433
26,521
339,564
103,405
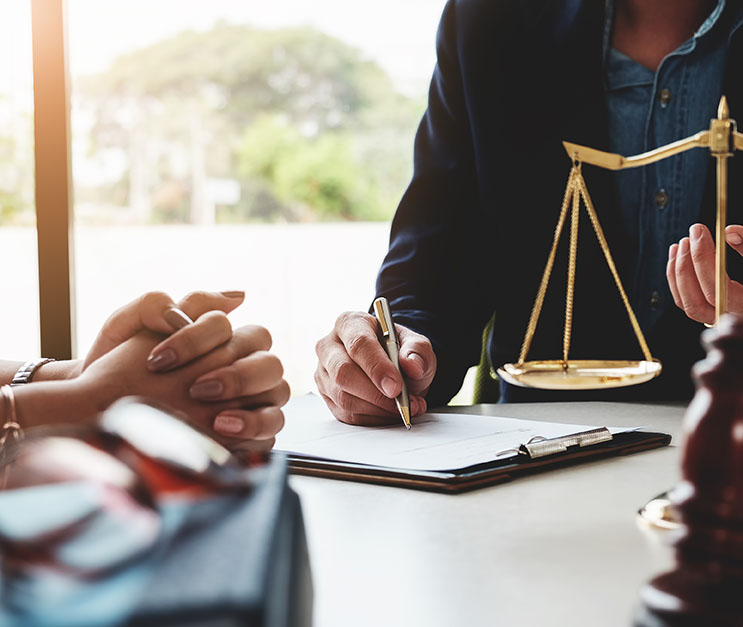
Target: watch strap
x,y
26,371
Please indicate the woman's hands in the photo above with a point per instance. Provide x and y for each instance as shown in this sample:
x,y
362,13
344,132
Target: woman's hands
x,y
156,311
236,389
691,273
223,380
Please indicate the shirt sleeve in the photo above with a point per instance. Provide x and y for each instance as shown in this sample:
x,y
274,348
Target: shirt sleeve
x,y
435,273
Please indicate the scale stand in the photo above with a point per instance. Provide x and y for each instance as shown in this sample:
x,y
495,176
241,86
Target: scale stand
x,y
723,140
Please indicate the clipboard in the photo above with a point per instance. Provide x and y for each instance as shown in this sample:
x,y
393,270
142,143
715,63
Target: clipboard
x,y
534,456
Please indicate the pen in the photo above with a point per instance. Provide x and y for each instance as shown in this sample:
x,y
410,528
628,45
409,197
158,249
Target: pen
x,y
392,347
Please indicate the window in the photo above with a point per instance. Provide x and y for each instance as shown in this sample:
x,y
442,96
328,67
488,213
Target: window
x,y
235,145
19,315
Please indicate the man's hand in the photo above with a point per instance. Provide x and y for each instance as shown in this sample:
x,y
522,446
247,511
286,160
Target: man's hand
x,y
691,273
357,379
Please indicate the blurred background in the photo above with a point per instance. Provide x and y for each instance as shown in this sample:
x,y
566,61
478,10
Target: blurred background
x,y
220,145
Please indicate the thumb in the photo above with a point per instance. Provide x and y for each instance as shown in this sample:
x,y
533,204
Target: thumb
x,y
734,237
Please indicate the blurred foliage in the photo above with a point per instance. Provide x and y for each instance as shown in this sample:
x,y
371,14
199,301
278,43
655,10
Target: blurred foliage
x,y
16,166
310,128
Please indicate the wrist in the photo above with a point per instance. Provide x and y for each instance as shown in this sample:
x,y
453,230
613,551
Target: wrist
x,y
54,402
59,370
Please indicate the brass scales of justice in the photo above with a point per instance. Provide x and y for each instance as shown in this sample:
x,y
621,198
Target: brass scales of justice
x,y
722,139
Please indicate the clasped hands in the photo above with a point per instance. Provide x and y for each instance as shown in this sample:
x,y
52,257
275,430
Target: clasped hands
x,y
222,379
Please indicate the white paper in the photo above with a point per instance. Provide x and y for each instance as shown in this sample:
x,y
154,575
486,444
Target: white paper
x,y
436,441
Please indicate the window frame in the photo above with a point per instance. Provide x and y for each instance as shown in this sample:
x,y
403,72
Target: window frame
x,y
53,185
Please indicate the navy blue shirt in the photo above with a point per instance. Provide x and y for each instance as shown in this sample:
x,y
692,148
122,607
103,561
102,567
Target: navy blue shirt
x,y
647,109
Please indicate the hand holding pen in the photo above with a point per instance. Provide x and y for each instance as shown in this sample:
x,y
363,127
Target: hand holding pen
x,y
358,380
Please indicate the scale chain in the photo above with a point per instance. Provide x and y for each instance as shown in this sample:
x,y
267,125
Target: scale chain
x,y
570,191
570,296
581,186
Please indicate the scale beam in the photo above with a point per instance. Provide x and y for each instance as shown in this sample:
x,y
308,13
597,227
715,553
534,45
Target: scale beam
x,y
722,140
614,161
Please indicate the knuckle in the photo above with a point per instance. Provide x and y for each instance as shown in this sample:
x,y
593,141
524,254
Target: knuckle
x,y
272,365
187,343
321,347
279,421
320,379
154,299
346,401
256,337
343,373
344,319
360,346
283,393
233,381
193,298
695,311
263,337
346,417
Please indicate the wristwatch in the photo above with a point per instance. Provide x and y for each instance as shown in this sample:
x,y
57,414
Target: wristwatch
x,y
26,371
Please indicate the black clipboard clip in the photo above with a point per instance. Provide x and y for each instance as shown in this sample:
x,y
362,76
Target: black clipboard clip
x,y
539,446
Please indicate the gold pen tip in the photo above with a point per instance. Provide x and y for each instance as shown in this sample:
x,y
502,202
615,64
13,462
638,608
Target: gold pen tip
x,y
405,411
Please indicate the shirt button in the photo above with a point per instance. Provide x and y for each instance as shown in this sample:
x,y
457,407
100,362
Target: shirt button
x,y
661,198
655,301
664,97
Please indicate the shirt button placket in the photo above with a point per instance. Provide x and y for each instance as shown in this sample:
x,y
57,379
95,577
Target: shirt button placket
x,y
655,301
661,198
664,97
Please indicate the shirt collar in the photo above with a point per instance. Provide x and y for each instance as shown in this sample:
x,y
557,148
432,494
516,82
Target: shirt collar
x,y
706,26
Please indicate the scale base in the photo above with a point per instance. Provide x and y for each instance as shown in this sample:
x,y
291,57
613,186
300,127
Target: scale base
x,y
580,374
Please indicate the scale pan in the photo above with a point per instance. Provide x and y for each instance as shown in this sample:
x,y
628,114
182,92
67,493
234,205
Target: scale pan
x,y
581,374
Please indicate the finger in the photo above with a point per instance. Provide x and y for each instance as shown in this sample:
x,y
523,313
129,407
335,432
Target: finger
x,y
360,419
702,250
671,275
257,424
694,303
734,237
196,304
207,333
417,359
245,340
154,311
344,375
348,405
277,396
358,334
251,375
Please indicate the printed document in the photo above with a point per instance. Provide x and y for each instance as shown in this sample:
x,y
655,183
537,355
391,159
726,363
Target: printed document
x,y
437,442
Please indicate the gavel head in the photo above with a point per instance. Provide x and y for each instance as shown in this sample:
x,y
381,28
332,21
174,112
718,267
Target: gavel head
x,y
710,499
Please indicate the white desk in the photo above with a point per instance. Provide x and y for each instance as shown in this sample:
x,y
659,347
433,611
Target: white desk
x,y
558,548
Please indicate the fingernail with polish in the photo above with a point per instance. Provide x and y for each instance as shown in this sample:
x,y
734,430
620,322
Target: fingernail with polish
x,y
233,294
162,360
695,231
176,318
389,387
734,239
227,424
207,389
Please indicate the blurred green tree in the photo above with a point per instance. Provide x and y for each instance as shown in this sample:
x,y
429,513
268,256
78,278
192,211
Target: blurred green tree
x,y
309,127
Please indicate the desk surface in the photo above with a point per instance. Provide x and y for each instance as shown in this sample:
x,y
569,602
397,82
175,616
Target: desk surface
x,y
558,548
